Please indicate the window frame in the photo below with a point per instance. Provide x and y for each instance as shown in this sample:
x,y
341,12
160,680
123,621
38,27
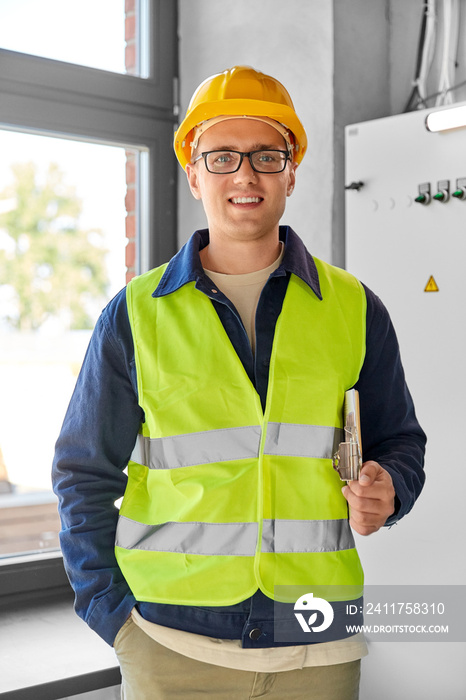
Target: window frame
x,y
54,98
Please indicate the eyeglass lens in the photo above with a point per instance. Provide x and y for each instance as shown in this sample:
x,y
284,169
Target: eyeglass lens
x,y
261,161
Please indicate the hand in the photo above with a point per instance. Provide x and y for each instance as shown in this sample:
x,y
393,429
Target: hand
x,y
371,499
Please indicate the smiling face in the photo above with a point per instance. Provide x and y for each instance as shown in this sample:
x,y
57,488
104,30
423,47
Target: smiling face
x,y
244,205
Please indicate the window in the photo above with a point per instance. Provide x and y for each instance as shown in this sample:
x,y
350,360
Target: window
x,y
98,136
62,256
67,31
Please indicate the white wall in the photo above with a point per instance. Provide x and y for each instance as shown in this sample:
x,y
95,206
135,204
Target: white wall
x,y
293,41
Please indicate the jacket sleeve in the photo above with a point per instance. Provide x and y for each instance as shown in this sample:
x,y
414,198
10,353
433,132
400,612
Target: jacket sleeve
x,y
391,434
92,451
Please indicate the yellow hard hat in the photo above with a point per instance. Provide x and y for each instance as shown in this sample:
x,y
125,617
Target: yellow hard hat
x,y
237,92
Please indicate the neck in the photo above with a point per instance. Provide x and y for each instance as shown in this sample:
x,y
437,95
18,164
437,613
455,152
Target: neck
x,y
239,257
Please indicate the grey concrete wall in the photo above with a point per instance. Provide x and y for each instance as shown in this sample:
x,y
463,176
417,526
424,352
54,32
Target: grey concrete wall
x,y
293,41
405,23
333,58
360,89
343,61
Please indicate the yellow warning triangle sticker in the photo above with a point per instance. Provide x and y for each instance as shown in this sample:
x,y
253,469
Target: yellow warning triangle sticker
x,y
431,285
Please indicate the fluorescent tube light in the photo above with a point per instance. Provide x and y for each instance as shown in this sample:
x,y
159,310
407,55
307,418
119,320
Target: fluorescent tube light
x,y
445,119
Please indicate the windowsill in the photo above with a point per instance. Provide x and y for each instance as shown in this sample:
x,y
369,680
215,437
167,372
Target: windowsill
x,y
46,651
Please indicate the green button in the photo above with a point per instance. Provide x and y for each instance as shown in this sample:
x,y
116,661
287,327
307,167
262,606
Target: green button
x,y
439,196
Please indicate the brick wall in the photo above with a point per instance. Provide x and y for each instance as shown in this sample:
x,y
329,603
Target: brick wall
x,y
132,68
131,53
131,214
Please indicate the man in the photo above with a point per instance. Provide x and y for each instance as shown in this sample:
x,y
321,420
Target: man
x,y
220,378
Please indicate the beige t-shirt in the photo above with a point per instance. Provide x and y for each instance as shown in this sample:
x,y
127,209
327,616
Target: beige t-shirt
x,y
230,654
244,292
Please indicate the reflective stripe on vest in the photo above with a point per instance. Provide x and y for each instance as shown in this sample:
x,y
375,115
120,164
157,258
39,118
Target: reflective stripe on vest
x,y
291,440
236,539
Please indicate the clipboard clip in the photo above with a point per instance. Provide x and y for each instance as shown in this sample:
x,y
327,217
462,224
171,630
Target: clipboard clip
x,y
347,461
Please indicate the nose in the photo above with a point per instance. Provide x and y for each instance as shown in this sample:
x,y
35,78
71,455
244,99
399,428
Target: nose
x,y
246,173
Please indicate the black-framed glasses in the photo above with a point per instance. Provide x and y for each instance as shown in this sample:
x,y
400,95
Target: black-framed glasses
x,y
226,162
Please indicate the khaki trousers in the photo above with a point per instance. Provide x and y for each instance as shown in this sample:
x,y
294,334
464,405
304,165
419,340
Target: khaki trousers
x,y
150,671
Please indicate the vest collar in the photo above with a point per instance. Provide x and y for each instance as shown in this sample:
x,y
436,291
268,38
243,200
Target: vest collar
x,y
186,265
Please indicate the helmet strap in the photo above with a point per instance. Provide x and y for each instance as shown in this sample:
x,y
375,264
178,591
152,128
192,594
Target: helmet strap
x,y
201,128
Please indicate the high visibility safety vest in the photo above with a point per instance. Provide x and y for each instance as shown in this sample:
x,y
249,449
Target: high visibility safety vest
x,y
224,498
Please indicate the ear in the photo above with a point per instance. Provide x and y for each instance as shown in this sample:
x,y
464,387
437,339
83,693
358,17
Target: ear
x,y
292,179
193,180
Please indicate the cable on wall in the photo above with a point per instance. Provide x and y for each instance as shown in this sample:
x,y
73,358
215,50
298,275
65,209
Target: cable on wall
x,y
433,95
424,57
451,14
428,48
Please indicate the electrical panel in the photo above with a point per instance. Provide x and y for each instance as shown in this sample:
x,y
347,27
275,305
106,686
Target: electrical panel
x,y
406,240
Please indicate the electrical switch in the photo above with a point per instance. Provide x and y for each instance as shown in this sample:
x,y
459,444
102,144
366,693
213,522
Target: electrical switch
x,y
424,193
443,191
460,192
354,186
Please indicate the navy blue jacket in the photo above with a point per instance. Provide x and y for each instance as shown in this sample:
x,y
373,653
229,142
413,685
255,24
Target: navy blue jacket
x,y
103,419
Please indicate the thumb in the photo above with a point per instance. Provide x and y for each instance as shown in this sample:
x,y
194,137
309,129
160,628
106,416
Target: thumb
x,y
368,475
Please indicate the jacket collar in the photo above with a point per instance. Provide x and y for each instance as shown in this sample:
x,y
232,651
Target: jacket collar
x,y
186,265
